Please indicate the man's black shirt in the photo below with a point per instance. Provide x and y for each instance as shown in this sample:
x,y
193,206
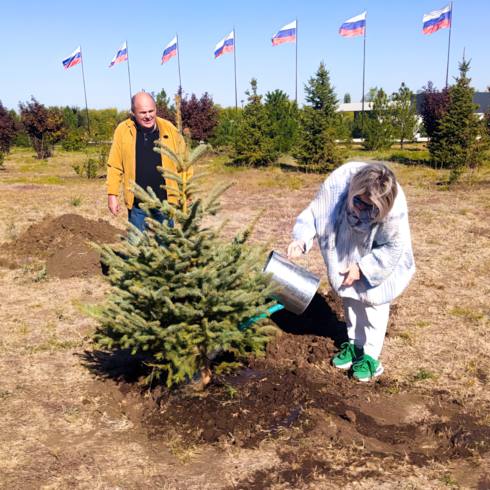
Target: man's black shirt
x,y
147,161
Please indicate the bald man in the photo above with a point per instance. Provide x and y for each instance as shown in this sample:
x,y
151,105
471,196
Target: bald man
x,y
132,159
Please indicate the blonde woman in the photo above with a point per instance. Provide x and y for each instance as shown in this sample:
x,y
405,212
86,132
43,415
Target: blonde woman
x,y
360,219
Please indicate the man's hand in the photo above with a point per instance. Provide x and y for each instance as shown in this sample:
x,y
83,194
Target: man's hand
x,y
113,204
351,275
296,249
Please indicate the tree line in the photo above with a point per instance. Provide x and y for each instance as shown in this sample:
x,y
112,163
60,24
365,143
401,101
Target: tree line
x,y
270,125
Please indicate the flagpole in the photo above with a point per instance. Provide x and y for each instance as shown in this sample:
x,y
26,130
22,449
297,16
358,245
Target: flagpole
x,y
129,73
234,67
363,80
449,44
85,92
296,69
178,62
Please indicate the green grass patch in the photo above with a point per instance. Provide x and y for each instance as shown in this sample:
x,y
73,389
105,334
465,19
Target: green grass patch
x,y
76,201
466,313
37,180
422,374
408,337
416,155
281,180
222,163
449,481
55,344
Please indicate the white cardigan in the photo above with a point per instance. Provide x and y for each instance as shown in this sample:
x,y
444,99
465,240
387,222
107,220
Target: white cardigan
x,y
388,265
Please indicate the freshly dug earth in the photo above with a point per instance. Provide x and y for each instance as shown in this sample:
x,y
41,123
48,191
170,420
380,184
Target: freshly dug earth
x,y
64,244
273,394
294,395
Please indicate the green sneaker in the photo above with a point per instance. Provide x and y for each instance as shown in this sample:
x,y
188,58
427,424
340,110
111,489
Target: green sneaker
x,y
366,368
347,355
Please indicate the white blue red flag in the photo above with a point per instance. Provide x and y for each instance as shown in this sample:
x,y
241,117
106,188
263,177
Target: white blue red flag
x,y
286,34
73,59
170,50
355,26
437,19
226,45
121,55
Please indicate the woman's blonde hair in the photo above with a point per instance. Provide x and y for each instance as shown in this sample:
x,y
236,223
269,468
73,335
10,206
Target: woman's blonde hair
x,y
378,183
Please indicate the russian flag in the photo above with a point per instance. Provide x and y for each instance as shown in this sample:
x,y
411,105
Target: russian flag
x,y
437,19
286,34
355,26
73,59
169,51
121,55
226,45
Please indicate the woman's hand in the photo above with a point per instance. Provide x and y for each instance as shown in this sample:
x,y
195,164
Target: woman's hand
x,y
351,275
296,249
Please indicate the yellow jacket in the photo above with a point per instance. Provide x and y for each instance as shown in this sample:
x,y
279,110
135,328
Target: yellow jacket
x,y
121,164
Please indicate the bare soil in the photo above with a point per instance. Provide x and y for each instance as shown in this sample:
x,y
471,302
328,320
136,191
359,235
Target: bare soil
x,y
64,244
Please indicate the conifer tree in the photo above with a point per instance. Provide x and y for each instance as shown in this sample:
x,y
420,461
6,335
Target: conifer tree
x,y
225,134
282,114
404,114
378,128
320,124
320,94
254,145
487,122
164,107
459,140
179,292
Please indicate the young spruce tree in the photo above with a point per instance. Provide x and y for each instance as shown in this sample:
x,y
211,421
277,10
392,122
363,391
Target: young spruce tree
x,y
254,145
282,115
179,292
404,114
319,123
460,139
379,130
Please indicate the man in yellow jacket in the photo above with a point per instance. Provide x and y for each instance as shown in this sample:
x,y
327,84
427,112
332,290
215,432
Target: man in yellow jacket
x,y
133,160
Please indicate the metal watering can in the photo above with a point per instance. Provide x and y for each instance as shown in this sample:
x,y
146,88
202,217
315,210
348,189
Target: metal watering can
x,y
295,286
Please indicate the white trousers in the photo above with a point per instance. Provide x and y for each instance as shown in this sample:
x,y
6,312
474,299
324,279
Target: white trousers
x,y
366,325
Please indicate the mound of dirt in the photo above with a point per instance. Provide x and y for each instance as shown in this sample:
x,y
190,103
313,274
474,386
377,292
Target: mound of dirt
x,y
64,244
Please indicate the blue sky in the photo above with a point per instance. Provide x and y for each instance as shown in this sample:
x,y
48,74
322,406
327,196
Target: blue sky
x,y
36,36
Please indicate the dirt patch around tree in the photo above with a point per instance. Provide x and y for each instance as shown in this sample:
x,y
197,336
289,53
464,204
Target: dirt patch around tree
x,y
63,243
293,395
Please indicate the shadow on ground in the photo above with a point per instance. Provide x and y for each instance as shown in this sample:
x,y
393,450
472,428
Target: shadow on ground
x,y
321,318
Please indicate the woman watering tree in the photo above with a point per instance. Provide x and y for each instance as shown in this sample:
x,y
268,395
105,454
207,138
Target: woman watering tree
x,y
360,220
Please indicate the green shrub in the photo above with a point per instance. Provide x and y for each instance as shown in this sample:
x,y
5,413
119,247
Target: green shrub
x,y
87,169
91,166
74,141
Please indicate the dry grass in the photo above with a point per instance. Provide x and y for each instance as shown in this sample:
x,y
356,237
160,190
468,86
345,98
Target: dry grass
x,y
63,429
